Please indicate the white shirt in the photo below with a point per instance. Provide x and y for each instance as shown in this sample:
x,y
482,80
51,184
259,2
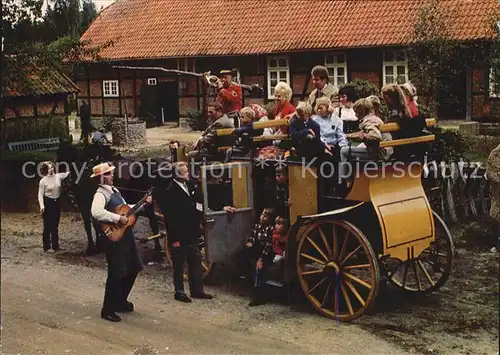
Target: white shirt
x,y
50,186
347,114
98,209
183,186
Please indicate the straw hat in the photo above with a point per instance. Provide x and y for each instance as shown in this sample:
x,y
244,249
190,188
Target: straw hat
x,y
101,169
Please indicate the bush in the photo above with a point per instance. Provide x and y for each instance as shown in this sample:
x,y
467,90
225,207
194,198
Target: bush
x,y
425,111
449,146
22,129
363,88
195,120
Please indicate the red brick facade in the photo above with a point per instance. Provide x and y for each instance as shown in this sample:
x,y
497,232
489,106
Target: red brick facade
x,y
188,94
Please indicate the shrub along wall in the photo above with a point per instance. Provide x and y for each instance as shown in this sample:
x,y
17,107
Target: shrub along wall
x,y
20,129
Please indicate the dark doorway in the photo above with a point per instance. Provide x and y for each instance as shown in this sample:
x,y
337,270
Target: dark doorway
x,y
160,102
452,97
168,101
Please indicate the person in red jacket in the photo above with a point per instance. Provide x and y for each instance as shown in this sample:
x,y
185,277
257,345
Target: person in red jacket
x,y
230,96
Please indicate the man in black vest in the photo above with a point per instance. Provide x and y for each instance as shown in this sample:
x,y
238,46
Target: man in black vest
x,y
182,214
122,256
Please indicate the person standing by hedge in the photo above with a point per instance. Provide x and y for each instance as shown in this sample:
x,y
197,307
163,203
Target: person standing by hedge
x,y
49,199
85,122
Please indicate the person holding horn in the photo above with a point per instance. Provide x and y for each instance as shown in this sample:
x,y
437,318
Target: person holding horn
x,y
123,258
230,96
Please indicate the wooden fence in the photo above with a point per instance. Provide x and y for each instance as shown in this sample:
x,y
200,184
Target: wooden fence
x,y
457,191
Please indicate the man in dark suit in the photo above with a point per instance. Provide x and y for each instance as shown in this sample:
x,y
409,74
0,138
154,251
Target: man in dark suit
x,y
182,214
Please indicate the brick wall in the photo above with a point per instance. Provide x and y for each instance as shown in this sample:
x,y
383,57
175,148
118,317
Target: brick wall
x,y
478,94
186,103
96,106
298,83
372,77
82,85
128,107
111,107
254,79
127,87
95,88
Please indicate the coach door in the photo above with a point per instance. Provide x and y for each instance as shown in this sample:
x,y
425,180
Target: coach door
x,y
226,185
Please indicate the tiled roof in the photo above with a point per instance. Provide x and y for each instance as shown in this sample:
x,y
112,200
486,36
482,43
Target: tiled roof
x,y
183,28
26,79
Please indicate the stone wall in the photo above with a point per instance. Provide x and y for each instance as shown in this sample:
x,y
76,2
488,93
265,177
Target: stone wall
x,y
136,132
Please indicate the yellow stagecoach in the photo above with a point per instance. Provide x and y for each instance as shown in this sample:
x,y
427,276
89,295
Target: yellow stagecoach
x,y
339,248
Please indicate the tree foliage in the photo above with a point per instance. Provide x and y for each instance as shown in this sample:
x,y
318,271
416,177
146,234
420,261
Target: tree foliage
x,y
50,40
437,59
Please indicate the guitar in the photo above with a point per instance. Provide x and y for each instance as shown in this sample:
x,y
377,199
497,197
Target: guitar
x,y
116,231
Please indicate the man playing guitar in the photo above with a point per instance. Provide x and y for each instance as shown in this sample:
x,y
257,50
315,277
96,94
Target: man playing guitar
x,y
122,256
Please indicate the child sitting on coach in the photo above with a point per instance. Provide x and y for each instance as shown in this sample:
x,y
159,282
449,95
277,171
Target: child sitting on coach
x,y
305,132
331,126
370,135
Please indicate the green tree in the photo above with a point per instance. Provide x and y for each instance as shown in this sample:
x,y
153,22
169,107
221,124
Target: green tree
x,y
87,15
62,18
50,41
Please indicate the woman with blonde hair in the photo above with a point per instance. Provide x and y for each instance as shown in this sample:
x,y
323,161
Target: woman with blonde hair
x,y
49,199
396,102
283,107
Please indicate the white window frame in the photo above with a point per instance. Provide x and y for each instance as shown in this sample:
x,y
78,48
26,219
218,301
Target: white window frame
x,y
394,63
236,77
335,66
107,88
277,69
151,81
186,64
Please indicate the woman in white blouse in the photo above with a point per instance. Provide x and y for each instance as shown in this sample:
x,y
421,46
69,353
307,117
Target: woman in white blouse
x,y
347,97
49,193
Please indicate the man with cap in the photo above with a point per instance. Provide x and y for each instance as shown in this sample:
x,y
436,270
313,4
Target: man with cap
x,y
230,96
122,256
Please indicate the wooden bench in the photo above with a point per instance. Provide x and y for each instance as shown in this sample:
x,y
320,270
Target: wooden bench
x,y
43,144
385,128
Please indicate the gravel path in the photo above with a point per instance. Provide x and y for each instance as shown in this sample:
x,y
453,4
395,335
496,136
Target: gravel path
x,y
51,305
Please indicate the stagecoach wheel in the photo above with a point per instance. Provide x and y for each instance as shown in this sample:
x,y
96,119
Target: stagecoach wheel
x,y
430,270
337,269
206,266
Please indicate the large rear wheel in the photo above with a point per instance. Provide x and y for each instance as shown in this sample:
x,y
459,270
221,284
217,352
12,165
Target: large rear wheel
x,y
430,270
337,269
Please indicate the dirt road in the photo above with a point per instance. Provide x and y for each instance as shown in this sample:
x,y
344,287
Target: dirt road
x,y
51,305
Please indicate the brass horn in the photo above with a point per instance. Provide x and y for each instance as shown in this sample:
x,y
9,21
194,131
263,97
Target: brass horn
x,y
212,80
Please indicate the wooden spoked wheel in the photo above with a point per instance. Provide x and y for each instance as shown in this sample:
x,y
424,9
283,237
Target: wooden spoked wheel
x,y
430,270
206,266
337,269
